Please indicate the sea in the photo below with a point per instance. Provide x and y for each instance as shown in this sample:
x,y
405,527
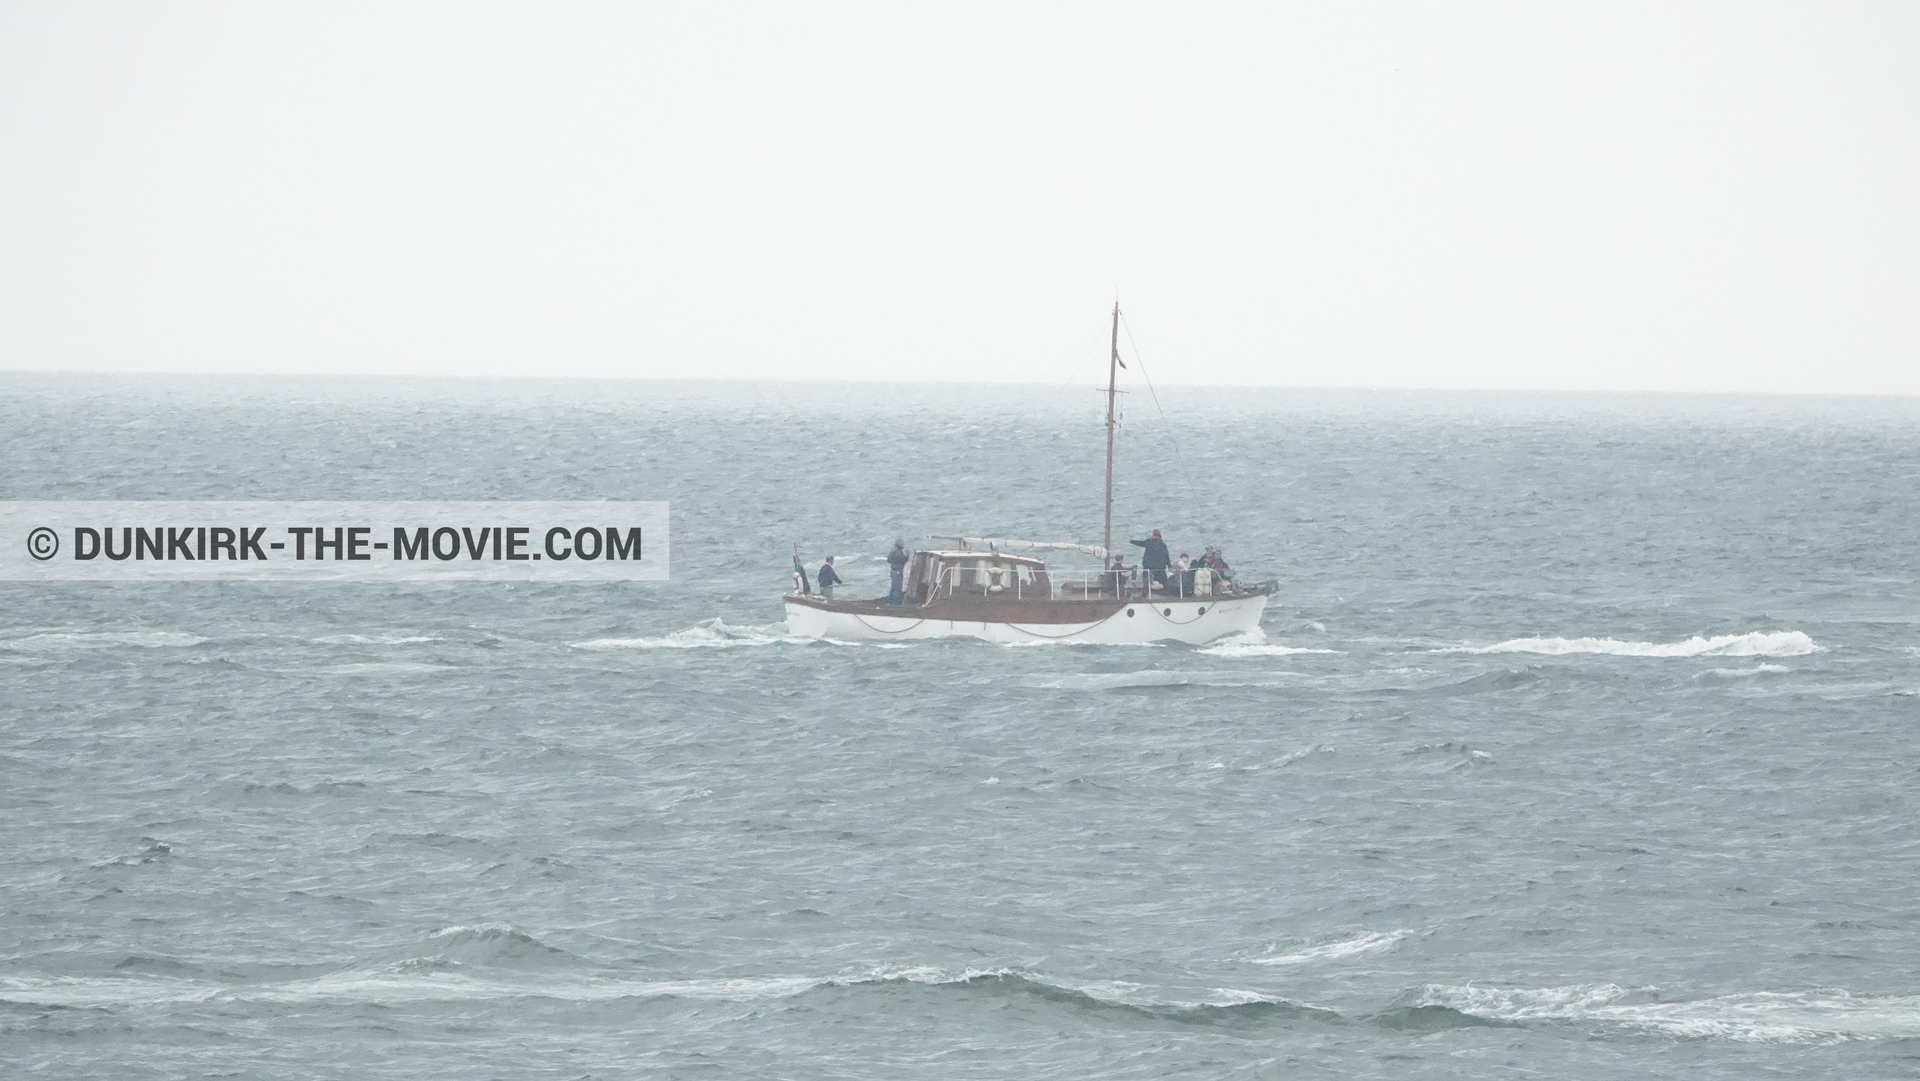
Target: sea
x,y
1577,741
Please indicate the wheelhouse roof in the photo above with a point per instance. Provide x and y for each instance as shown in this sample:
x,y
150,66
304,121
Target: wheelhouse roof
x,y
989,556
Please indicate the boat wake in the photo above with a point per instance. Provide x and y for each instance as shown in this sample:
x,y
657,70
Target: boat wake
x,y
1254,643
1159,677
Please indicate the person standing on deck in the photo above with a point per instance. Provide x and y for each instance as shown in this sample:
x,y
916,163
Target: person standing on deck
x,y
1155,560
827,579
897,564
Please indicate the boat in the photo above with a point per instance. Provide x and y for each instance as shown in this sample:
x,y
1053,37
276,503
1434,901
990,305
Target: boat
x,y
988,587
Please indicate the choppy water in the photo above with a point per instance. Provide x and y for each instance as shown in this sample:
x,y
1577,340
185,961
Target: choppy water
x,y
1578,743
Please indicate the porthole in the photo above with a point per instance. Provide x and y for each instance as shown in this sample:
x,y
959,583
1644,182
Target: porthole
x,y
1201,612
1129,611
1168,612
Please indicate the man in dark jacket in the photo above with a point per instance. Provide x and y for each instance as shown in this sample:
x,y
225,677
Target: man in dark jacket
x,y
897,563
827,579
1155,560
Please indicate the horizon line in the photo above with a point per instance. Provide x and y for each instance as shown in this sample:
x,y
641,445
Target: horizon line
x,y
830,381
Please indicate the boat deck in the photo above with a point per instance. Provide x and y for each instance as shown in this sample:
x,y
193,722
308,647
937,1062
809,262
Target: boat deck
x,y
1004,608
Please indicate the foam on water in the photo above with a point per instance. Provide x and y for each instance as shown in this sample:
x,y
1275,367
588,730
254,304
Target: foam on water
x,y
1823,1016
1254,643
712,634
414,980
1745,673
1291,757
1330,951
55,641
1796,1017
385,668
1755,644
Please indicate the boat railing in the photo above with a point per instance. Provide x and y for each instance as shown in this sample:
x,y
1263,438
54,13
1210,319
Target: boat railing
x,y
950,577
1131,584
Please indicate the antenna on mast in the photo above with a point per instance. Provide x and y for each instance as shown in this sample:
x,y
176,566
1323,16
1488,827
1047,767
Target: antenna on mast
x,y
1113,380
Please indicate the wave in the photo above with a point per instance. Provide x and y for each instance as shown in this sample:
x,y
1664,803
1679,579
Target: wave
x,y
374,639
1333,951
1484,683
493,945
1744,673
51,641
1785,1017
1219,1005
1291,757
1825,1016
1161,677
431,980
714,633
1754,644
386,668
1253,643
348,789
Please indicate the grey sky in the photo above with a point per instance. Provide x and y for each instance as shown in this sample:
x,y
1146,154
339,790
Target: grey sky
x,y
1673,196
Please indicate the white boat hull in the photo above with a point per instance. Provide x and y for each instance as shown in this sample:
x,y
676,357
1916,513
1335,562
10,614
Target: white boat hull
x,y
1195,621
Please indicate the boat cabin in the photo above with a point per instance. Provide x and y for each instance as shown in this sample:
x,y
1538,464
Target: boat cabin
x,y
975,574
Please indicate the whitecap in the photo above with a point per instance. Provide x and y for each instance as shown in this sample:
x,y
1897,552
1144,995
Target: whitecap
x,y
401,982
1294,756
1263,651
1744,673
58,640
406,983
374,639
1253,643
1754,644
1788,1017
416,981
712,634
387,668
1329,951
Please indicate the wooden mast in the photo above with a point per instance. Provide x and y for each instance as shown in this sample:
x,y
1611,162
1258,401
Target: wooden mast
x,y
1113,379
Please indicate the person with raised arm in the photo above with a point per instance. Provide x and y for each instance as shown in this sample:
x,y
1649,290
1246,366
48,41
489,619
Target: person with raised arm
x,y
1154,560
